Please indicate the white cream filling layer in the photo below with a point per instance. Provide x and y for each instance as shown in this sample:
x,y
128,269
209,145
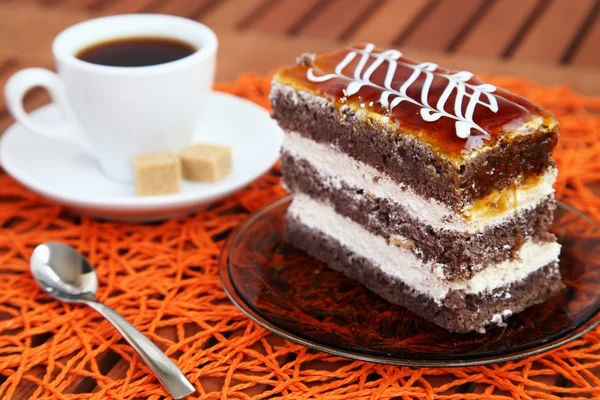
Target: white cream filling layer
x,y
336,167
401,263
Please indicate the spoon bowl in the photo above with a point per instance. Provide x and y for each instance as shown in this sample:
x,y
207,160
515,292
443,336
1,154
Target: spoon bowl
x,y
66,275
63,273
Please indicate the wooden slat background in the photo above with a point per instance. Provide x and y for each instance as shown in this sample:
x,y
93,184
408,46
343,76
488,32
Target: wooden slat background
x,y
551,41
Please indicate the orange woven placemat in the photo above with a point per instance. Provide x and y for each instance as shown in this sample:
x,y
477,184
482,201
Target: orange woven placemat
x,y
163,277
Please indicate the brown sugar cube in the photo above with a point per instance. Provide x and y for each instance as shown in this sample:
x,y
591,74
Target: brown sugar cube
x,y
206,162
156,174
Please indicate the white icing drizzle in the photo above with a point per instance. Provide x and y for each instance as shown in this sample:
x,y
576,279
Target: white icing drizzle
x,y
458,82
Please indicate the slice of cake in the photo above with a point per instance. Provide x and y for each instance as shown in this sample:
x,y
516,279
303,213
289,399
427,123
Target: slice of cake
x,y
427,185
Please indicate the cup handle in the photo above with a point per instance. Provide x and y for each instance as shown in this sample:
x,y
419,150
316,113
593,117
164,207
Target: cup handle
x,y
23,81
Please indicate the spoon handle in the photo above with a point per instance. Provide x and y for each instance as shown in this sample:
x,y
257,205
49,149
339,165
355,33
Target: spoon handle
x,y
165,370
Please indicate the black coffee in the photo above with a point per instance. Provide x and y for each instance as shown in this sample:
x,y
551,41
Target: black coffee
x,y
136,51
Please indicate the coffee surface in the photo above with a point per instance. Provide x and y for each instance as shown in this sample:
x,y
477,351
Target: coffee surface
x,y
136,51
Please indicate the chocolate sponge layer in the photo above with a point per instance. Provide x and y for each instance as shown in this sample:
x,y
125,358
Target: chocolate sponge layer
x,y
407,160
457,312
463,254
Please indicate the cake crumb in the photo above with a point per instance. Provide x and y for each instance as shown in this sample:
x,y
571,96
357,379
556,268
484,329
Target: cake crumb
x,y
347,112
401,242
306,59
157,174
206,162
500,319
496,319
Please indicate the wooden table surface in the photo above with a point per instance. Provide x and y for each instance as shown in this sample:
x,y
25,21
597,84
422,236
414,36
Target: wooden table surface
x,y
550,41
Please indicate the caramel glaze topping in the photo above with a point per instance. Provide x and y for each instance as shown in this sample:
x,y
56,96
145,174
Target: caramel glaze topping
x,y
454,112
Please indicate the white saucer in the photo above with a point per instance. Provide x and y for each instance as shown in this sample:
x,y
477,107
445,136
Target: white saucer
x,y
64,173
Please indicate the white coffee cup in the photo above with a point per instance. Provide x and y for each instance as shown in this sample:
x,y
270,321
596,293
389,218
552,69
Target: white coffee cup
x,y
116,113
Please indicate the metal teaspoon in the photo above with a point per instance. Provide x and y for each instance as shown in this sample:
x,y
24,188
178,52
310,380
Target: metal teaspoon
x,y
67,276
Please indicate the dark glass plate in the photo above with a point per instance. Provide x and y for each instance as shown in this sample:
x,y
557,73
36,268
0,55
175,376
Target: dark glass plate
x,y
294,296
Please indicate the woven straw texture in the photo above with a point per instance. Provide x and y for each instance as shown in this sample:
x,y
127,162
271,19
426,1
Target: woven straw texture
x,y
163,278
